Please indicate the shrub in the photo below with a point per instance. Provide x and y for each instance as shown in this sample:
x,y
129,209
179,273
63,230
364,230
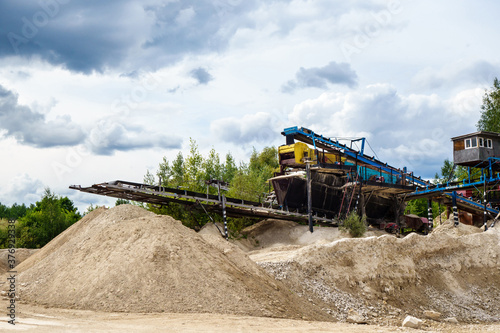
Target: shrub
x,y
354,225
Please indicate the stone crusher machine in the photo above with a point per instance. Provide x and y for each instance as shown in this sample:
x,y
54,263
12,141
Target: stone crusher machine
x,y
324,177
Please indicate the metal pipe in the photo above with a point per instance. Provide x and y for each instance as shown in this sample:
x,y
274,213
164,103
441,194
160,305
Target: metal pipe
x,y
309,195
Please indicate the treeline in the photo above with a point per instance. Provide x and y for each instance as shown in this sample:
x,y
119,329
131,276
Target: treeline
x,y
13,212
191,172
41,222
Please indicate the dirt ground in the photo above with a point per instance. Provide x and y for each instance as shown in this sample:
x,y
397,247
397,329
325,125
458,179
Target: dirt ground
x,y
126,269
48,320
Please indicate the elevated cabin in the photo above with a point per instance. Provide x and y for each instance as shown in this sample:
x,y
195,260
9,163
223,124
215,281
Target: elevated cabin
x,y
473,150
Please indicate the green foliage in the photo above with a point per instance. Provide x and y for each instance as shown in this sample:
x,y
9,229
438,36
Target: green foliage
x,y
354,225
419,207
490,110
4,234
235,225
230,169
190,216
45,220
249,181
89,209
459,174
121,202
7,213
14,212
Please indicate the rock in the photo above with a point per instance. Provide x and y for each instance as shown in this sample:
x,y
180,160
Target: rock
x,y
451,320
412,322
432,315
356,319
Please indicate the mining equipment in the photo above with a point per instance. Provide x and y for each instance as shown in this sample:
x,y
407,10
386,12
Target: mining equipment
x,y
321,180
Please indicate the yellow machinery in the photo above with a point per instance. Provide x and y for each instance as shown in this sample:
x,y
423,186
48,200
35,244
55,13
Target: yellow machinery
x,y
296,154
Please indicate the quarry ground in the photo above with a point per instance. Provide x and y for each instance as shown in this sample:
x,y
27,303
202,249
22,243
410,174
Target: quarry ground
x,y
47,320
126,269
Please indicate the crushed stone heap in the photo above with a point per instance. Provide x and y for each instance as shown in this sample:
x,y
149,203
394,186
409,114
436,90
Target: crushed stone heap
x,y
454,270
128,259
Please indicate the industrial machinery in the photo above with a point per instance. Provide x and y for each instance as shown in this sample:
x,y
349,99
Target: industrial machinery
x,y
322,180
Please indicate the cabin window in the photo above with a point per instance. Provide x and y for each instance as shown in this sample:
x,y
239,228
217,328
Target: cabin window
x,y
489,143
481,142
471,143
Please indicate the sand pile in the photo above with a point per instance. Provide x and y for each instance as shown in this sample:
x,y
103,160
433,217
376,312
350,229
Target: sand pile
x,y
20,255
129,259
452,271
277,233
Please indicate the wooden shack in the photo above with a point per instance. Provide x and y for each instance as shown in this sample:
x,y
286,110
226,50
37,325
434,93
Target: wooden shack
x,y
473,150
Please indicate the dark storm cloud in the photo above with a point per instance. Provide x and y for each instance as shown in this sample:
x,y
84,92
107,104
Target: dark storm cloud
x,y
320,77
81,35
201,75
86,36
31,128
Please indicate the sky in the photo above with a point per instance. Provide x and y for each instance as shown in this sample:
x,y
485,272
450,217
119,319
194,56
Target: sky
x,y
94,91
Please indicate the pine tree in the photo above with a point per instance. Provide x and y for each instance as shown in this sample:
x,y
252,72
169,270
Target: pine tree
x,y
490,110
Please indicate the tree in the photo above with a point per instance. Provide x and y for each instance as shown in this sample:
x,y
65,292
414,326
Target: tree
x,y
121,202
193,174
460,173
490,110
164,172
14,212
250,182
177,170
211,166
45,220
230,169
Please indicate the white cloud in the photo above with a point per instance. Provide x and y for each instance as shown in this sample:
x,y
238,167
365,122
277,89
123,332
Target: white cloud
x,y
32,128
110,135
260,127
451,75
22,189
411,131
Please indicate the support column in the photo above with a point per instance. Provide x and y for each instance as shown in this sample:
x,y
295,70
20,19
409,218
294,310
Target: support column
x,y
309,195
485,217
224,216
429,214
455,209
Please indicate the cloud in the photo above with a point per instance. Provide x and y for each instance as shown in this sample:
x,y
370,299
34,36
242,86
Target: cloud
x,y
405,130
112,135
87,36
320,77
259,127
22,189
201,75
457,74
31,128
